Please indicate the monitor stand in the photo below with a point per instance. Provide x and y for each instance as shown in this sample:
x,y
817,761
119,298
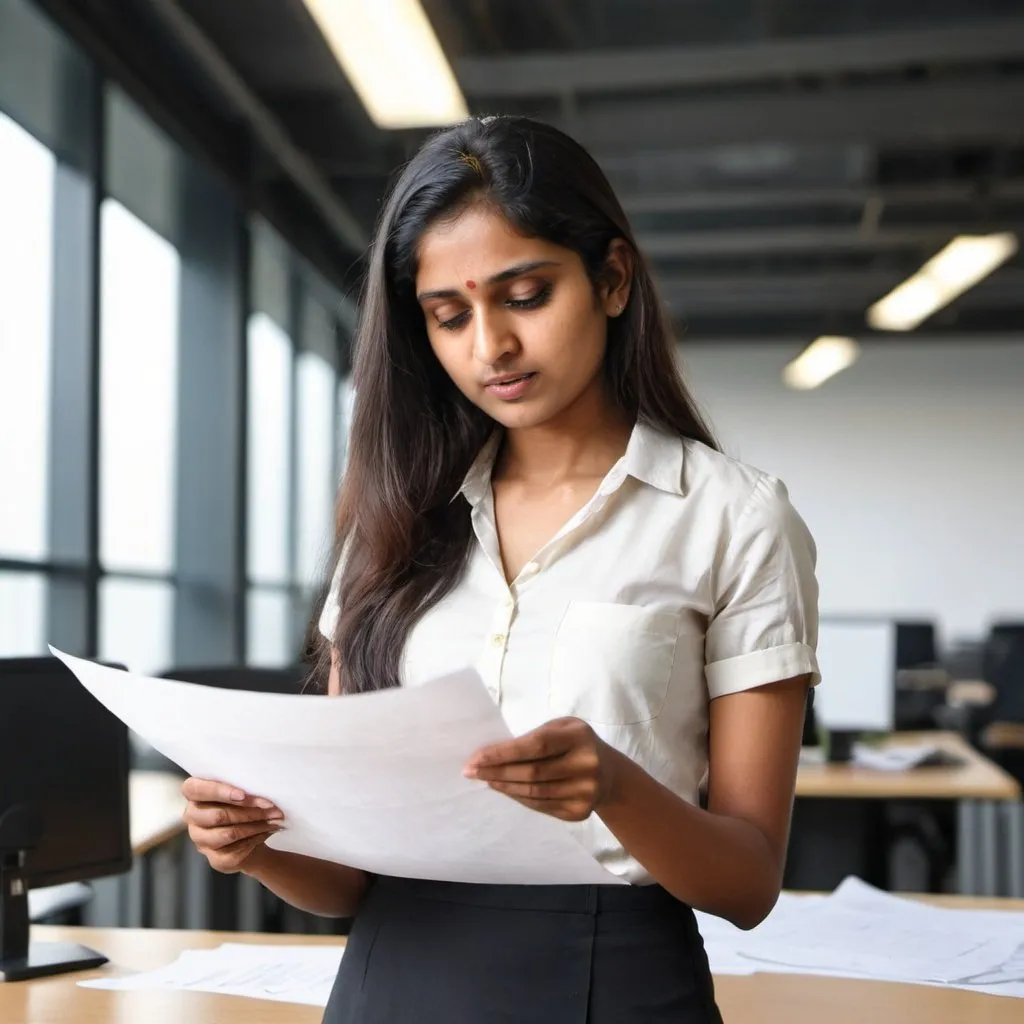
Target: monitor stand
x,y
20,959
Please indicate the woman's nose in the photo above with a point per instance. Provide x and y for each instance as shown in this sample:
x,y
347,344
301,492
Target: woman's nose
x,y
493,339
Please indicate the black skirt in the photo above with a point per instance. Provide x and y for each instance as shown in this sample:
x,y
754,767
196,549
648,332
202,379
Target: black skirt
x,y
451,953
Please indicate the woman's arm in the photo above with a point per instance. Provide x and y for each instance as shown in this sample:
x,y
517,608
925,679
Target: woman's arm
x,y
729,859
317,886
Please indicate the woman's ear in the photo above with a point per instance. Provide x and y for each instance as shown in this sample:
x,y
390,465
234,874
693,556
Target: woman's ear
x,y
617,277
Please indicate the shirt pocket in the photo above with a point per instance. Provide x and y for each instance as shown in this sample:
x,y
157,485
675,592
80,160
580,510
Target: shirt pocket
x,y
612,663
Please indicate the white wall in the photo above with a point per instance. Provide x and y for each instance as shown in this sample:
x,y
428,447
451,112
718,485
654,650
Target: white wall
x,y
908,467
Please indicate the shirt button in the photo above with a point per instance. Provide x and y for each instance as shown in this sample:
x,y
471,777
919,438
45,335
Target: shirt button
x,y
498,639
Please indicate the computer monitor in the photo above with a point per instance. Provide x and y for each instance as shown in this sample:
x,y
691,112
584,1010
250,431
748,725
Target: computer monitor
x,y
857,658
63,804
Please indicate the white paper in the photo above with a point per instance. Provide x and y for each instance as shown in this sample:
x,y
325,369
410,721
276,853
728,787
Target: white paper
x,y
288,974
891,759
373,781
859,931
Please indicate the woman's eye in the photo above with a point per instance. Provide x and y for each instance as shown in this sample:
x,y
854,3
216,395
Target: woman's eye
x,y
532,301
455,322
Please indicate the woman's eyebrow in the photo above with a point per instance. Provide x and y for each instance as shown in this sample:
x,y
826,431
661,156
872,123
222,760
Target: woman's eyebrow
x,y
509,274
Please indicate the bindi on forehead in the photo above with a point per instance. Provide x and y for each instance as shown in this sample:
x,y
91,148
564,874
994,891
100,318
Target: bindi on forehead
x,y
471,284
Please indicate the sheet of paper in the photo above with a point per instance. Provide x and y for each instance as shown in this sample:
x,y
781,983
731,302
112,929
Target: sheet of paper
x,y
891,759
722,939
983,924
370,780
288,974
861,931
740,952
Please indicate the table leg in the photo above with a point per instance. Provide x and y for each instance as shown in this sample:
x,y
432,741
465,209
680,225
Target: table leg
x,y
966,849
988,828
250,905
196,874
1014,813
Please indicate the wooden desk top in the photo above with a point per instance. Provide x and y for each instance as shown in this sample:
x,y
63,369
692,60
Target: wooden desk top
x,y
155,806
976,779
757,999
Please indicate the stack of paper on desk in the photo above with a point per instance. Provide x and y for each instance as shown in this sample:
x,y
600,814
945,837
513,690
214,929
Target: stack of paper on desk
x,y
372,780
287,974
860,932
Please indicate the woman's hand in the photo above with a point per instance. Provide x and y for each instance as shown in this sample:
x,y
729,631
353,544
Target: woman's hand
x,y
563,769
227,825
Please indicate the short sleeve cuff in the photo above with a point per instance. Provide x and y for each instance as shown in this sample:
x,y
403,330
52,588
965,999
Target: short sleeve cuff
x,y
733,675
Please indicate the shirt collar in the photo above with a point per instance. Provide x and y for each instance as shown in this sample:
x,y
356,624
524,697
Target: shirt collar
x,y
652,457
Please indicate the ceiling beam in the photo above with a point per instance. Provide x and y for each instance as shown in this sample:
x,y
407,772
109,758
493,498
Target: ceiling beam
x,y
766,241
979,110
796,328
924,194
267,130
604,71
847,291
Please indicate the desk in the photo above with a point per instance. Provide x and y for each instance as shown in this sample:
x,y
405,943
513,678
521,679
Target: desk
x,y
990,816
757,999
155,808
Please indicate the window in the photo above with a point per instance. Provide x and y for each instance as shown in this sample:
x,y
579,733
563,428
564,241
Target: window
x,y
269,437
138,393
22,614
271,641
26,295
315,454
136,623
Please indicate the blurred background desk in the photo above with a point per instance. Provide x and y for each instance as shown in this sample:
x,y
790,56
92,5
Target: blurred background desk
x,y
835,801
156,807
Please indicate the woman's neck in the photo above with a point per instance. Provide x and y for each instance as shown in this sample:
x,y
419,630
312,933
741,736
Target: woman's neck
x,y
585,441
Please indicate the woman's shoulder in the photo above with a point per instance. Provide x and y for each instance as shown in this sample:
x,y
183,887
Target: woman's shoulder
x,y
731,488
706,469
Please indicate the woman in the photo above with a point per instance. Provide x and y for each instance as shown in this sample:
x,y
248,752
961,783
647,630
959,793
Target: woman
x,y
530,490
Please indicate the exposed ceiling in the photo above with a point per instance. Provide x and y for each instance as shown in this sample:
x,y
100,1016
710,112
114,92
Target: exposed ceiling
x,y
785,162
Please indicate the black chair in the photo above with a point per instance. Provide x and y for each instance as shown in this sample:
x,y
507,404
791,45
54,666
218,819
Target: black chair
x,y
920,681
242,677
1003,667
1002,737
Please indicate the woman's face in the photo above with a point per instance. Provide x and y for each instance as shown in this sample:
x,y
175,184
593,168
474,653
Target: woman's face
x,y
515,321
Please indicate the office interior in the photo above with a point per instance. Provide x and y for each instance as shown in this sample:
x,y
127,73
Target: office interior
x,y
187,190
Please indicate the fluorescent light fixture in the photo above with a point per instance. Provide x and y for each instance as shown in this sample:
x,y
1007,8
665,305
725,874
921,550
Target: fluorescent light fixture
x,y
821,359
393,59
961,265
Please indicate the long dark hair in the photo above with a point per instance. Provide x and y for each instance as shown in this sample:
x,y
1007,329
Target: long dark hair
x,y
403,541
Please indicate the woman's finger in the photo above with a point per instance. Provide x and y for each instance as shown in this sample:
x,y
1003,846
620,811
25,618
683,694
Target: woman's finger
x,y
209,791
566,810
232,858
220,838
549,770
220,815
540,792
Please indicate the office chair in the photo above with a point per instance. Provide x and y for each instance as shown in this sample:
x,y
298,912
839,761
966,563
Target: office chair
x,y
242,677
920,689
1003,667
1002,737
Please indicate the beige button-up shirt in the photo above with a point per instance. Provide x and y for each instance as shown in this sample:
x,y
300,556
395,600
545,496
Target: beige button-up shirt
x,y
687,576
